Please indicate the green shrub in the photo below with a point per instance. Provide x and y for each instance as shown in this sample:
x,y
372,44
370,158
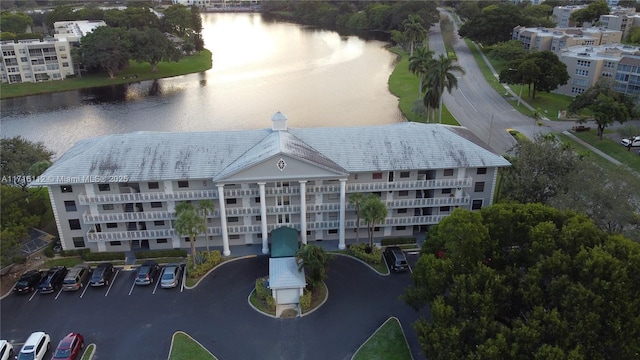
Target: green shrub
x,y
398,241
271,303
209,260
103,256
305,300
262,292
360,251
48,252
171,253
80,252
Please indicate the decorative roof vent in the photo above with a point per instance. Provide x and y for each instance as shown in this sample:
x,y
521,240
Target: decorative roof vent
x,y
279,122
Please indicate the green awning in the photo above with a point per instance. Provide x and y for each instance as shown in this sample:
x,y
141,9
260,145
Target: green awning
x,y
284,242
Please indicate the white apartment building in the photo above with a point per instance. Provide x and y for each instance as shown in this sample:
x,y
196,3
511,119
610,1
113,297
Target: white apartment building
x,y
587,65
555,40
622,19
73,31
119,192
35,60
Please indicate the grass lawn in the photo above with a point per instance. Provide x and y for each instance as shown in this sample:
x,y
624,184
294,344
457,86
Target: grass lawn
x,y
184,347
387,343
69,262
199,62
611,148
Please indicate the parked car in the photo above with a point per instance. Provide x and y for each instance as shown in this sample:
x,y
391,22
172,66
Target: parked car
x,y
6,350
52,280
147,273
171,276
102,275
396,259
69,348
76,277
631,142
35,347
28,282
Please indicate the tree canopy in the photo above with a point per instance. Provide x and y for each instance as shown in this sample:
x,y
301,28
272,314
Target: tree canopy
x,y
19,156
526,281
189,224
590,14
542,69
494,23
373,211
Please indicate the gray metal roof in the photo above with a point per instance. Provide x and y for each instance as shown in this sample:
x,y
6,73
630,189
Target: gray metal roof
x,y
157,156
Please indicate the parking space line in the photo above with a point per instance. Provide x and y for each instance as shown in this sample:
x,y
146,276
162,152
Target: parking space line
x,y
156,287
111,283
34,294
184,276
58,294
84,289
132,286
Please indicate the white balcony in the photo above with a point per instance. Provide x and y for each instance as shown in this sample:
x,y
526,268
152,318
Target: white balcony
x,y
410,185
128,216
428,202
147,197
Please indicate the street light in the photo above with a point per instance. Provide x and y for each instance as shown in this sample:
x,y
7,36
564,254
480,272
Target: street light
x,y
491,124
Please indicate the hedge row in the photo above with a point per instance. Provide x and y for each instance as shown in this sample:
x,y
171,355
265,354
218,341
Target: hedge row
x,y
205,261
305,300
264,293
100,256
161,254
366,254
398,241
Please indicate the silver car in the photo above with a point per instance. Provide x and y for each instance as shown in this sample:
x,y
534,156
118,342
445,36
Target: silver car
x,y
171,276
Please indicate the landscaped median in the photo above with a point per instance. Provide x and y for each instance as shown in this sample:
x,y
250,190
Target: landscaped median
x,y
388,342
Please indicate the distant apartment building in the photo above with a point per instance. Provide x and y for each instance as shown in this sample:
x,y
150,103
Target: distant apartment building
x,y
587,65
73,31
35,60
561,15
622,19
119,192
555,40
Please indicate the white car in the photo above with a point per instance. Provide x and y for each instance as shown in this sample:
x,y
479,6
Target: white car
x,y
6,350
631,142
36,346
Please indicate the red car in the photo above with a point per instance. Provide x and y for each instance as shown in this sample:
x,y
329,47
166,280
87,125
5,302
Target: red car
x,y
69,348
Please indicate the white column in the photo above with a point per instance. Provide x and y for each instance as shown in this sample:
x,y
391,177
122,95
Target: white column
x,y
303,211
343,204
223,221
263,219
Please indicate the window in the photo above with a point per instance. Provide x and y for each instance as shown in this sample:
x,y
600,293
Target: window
x,y
104,187
231,201
78,241
333,231
283,200
401,227
446,191
156,204
112,225
444,209
183,184
283,218
107,207
377,176
402,211
66,188
161,241
481,171
232,219
479,186
259,218
405,174
582,72
476,204
115,243
234,237
70,205
154,185
74,224
403,193
158,222
333,196
448,172
257,200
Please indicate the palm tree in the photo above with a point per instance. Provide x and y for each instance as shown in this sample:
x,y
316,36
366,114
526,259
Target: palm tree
x,y
373,212
206,208
419,64
440,77
356,201
190,224
414,31
314,259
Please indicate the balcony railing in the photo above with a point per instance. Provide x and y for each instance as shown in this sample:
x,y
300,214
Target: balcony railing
x,y
147,197
410,185
426,202
129,216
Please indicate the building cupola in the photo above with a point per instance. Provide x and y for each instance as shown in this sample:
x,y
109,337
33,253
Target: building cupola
x,y
279,122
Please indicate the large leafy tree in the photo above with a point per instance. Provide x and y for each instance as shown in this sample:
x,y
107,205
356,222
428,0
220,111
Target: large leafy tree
x,y
605,105
494,24
315,262
373,212
152,46
178,20
16,23
106,48
555,287
591,13
189,224
19,156
440,76
542,69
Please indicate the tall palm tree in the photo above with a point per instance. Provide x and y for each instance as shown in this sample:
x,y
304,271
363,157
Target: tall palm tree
x,y
441,76
189,223
356,201
373,212
419,64
414,31
206,208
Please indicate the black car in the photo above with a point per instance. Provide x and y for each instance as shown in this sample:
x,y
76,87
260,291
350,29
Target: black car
x,y
396,259
102,275
147,273
28,282
52,280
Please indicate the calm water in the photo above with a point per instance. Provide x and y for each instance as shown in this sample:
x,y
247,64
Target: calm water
x,y
315,77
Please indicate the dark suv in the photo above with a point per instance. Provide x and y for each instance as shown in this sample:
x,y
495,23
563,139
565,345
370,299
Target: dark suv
x,y
52,280
28,282
396,259
147,273
102,275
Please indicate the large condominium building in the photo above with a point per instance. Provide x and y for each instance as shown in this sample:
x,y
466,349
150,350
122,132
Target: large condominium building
x,y
119,192
73,31
555,40
622,19
35,60
587,65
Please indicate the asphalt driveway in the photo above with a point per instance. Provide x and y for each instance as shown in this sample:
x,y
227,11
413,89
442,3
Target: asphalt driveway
x,y
129,322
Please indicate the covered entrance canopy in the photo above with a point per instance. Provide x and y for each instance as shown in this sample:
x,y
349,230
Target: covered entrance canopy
x,y
284,242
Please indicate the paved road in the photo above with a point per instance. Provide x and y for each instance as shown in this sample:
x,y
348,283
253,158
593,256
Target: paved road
x,y
129,322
